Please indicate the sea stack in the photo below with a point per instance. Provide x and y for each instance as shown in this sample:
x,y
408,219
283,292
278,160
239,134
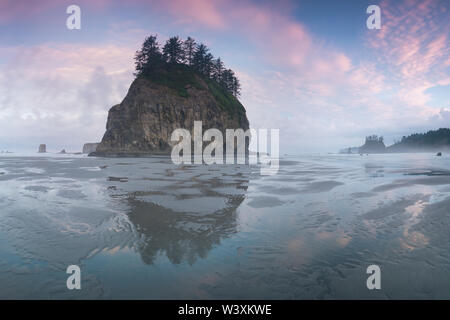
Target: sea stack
x,y
155,106
90,147
42,148
373,144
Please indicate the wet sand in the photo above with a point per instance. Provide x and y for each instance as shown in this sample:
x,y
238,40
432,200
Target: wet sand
x,y
145,228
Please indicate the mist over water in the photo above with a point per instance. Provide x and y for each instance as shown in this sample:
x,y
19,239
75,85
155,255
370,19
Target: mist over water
x,y
146,228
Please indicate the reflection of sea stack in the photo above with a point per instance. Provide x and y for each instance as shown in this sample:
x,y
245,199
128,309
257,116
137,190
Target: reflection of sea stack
x,y
186,236
144,121
42,148
90,147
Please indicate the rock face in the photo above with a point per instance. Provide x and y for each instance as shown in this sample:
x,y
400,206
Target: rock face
x,y
90,147
42,148
143,123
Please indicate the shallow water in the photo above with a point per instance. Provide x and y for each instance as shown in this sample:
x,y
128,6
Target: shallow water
x,y
145,228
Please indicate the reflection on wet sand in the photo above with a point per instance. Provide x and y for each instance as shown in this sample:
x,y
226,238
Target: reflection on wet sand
x,y
145,228
181,236
374,170
182,212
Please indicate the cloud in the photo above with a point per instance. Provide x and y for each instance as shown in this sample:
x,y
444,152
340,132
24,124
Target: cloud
x,y
413,44
60,94
384,93
323,97
203,12
22,10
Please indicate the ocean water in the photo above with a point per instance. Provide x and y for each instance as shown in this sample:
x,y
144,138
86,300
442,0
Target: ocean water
x,y
148,229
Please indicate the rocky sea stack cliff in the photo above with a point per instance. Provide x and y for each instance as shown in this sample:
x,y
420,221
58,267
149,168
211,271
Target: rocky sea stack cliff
x,y
165,97
90,147
153,108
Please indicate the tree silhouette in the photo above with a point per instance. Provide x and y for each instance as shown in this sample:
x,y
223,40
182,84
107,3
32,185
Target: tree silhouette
x,y
149,57
176,51
189,47
198,61
440,137
217,70
236,87
173,50
208,65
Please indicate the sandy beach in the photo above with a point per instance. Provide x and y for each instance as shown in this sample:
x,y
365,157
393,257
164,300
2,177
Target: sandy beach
x,y
146,228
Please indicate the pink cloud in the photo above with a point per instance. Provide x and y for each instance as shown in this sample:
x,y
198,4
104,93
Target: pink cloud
x,y
61,92
320,87
204,12
413,38
413,47
310,72
11,9
280,38
19,10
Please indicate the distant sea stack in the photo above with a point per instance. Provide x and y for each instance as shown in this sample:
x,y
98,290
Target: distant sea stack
x,y
166,96
90,147
373,144
42,148
431,141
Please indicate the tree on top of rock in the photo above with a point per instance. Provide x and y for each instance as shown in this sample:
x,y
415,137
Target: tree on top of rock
x,y
218,68
173,50
198,61
189,47
176,51
149,57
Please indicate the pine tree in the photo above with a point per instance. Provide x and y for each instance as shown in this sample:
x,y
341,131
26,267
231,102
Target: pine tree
x,y
208,65
173,50
148,57
227,80
217,70
198,57
236,87
198,61
189,47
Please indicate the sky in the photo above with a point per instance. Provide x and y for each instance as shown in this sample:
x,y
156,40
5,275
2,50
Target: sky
x,y
310,68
